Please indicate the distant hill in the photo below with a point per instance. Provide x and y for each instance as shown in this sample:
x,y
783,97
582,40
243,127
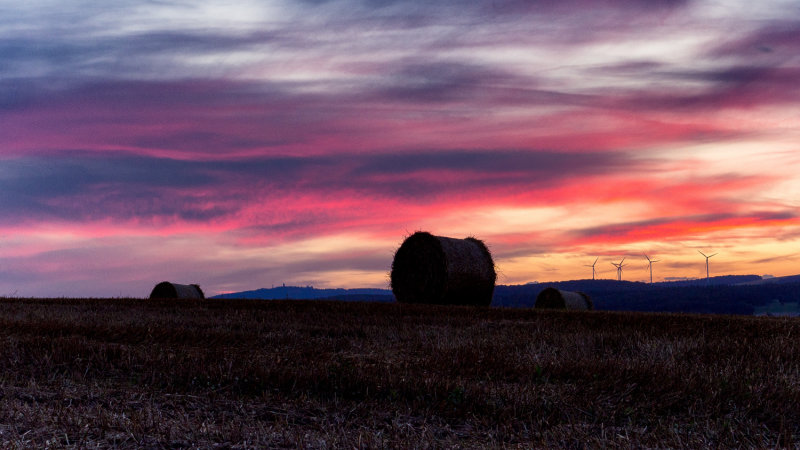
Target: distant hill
x,y
730,294
724,280
776,280
722,295
311,293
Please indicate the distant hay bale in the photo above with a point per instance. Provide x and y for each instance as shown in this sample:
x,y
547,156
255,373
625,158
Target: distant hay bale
x,y
444,271
558,299
165,289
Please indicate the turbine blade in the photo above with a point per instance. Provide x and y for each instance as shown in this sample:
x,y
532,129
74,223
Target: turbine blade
x,y
714,254
702,253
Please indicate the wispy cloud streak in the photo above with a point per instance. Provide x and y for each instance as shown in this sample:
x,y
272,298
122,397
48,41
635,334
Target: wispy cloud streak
x,y
304,128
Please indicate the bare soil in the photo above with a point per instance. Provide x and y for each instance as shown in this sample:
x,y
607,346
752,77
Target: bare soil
x,y
108,373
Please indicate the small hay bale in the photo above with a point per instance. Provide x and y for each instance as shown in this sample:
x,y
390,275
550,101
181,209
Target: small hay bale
x,y
443,271
165,289
558,299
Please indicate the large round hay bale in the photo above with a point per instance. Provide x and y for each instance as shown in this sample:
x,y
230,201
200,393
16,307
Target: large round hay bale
x,y
165,289
558,299
442,270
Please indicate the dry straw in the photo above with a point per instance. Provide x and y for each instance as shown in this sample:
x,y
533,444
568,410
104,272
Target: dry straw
x,y
442,270
165,289
558,299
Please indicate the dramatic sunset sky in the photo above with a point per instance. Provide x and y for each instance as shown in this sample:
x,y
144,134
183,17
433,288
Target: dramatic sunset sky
x,y
299,142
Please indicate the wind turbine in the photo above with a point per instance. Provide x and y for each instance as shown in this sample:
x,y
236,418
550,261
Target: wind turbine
x,y
707,258
619,267
650,266
592,266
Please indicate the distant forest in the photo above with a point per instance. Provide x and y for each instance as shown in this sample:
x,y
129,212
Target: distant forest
x,y
720,295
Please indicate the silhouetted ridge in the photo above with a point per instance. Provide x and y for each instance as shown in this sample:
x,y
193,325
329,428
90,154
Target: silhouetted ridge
x,y
722,295
311,293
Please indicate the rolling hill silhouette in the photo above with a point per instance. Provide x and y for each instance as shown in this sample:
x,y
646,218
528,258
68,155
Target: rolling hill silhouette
x,y
728,294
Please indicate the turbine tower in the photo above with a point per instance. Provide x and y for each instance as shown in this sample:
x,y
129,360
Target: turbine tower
x,y
619,267
650,266
592,266
707,258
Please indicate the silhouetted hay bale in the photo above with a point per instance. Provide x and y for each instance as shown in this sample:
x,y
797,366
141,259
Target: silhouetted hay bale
x,y
442,270
165,289
558,299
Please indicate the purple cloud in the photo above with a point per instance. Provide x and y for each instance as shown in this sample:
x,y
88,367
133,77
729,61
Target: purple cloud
x,y
775,40
82,186
272,122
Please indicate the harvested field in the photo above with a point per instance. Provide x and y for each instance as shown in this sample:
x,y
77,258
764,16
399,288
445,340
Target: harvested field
x,y
132,373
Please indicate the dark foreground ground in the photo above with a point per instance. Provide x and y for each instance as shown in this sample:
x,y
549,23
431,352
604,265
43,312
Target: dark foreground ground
x,y
139,373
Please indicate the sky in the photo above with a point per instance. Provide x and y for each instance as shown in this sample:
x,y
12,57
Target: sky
x,y
241,145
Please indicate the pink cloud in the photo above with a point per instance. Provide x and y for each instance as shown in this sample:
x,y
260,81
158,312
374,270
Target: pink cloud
x,y
371,120
681,228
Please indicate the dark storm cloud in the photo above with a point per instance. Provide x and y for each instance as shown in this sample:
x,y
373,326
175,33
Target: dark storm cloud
x,y
634,67
728,87
84,49
418,81
534,6
739,75
193,116
507,6
119,57
751,69
543,165
429,174
85,185
477,87
774,40
17,93
725,75
680,224
205,41
125,95
73,174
